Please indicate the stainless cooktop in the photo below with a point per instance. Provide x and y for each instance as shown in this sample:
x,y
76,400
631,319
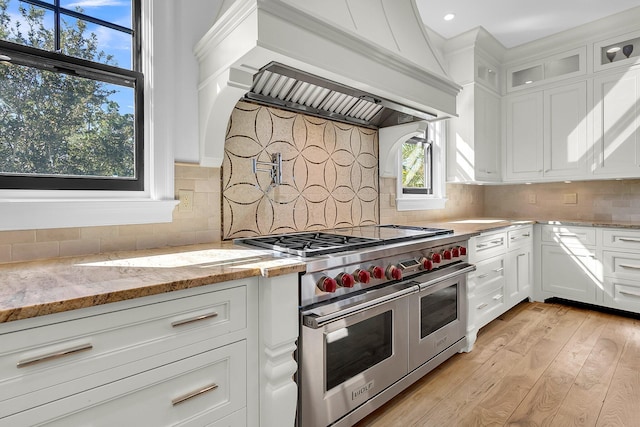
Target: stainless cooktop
x,y
313,243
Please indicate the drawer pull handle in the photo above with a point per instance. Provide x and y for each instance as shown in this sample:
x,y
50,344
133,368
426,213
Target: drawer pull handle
x,y
498,270
631,294
497,297
634,267
519,255
567,235
193,319
54,355
482,276
521,236
629,239
495,242
193,394
481,306
481,245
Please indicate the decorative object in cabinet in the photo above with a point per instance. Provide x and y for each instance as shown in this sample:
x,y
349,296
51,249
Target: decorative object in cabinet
x,y
561,66
546,134
616,52
616,148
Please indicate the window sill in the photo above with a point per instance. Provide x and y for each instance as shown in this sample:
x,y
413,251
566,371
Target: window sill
x,y
49,213
420,203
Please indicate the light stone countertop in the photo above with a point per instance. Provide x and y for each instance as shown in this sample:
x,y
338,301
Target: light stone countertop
x,y
37,288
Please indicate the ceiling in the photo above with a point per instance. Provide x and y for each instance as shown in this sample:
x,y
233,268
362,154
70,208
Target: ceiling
x,y
514,22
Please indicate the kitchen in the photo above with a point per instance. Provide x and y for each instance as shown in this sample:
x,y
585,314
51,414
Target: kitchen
x,y
603,202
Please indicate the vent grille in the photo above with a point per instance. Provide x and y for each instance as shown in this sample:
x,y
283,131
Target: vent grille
x,y
292,89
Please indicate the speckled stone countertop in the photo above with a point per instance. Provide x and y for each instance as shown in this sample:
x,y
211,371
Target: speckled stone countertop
x,y
37,288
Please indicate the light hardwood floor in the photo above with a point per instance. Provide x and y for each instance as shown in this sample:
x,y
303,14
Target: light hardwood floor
x,y
537,365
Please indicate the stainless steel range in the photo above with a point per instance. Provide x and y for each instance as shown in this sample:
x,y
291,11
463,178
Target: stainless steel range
x,y
380,306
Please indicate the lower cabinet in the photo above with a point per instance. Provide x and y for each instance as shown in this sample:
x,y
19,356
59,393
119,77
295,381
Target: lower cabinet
x,y
195,391
503,275
216,355
569,272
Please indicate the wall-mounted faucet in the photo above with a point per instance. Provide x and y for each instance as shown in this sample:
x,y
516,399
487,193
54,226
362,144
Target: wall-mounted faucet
x,y
274,168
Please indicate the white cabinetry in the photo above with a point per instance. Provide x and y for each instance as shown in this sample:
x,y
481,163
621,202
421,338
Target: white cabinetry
x,y
503,275
617,124
569,267
621,265
546,134
213,355
474,141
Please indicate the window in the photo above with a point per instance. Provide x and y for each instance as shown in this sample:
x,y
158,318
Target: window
x,y
71,95
417,166
421,173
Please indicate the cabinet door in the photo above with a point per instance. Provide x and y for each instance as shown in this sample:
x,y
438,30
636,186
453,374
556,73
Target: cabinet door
x,y
565,131
524,136
519,276
617,124
569,273
487,135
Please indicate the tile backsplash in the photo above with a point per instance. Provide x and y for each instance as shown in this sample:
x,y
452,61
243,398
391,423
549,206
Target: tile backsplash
x,y
329,173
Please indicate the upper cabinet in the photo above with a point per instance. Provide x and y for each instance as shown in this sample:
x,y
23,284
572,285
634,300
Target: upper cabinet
x,y
474,139
546,134
616,112
548,70
619,51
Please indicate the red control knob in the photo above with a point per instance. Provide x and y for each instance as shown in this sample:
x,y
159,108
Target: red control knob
x,y
327,284
427,264
446,254
362,276
463,251
394,273
436,258
377,272
455,252
345,280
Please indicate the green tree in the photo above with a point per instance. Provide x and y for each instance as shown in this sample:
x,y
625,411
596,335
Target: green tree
x,y
54,123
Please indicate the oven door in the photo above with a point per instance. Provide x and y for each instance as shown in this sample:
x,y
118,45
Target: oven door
x,y
350,351
437,314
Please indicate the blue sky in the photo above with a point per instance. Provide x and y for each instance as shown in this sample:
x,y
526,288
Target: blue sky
x,y
110,41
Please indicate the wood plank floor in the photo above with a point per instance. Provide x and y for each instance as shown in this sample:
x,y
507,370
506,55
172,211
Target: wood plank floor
x,y
537,365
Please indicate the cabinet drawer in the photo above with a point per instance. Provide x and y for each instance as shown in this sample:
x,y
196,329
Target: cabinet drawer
x,y
622,294
191,392
487,274
520,237
488,246
621,239
569,236
487,307
621,264
46,363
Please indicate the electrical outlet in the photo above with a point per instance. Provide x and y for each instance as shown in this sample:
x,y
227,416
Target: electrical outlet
x,y
532,199
570,198
186,200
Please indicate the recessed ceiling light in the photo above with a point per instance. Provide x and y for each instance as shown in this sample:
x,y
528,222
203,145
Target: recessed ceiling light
x,y
613,49
5,58
528,82
449,16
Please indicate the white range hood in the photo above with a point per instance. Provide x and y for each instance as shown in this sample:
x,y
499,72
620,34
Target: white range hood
x,y
377,50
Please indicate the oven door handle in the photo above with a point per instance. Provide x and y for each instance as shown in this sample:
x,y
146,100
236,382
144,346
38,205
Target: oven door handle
x,y
464,270
315,321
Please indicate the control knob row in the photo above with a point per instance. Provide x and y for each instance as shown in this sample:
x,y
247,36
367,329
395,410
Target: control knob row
x,y
346,280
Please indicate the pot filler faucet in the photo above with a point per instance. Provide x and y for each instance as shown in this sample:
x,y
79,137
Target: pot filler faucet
x,y
273,168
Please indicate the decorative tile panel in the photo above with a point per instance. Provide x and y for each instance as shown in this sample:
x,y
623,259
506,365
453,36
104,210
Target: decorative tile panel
x,y
329,173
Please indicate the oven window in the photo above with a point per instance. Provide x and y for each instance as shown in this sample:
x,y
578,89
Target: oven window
x,y
438,309
358,347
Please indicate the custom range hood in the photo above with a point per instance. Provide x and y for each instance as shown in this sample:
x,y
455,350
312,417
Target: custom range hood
x,y
367,62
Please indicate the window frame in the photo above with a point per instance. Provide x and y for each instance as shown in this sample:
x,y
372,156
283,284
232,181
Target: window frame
x,y
44,209
53,61
422,200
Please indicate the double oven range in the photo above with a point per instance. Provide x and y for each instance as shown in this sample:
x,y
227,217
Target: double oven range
x,y
380,306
